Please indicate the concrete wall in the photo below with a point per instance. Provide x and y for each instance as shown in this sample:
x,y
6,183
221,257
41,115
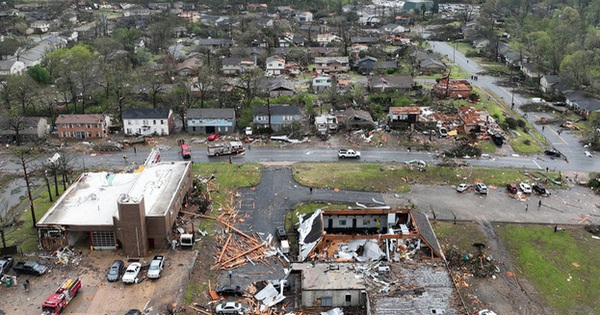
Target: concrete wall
x,y
338,298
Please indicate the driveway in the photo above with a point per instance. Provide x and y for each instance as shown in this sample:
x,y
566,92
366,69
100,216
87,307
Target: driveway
x,y
265,206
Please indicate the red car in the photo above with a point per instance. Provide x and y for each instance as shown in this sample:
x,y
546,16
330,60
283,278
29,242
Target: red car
x,y
213,137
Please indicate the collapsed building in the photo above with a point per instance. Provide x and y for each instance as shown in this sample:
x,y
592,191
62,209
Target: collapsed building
x,y
133,211
379,260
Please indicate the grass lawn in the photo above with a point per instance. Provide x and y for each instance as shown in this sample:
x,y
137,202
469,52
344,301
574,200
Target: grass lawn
x,y
461,235
396,177
547,259
487,147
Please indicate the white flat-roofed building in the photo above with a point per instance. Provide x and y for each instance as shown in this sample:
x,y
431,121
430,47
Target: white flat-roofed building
x,y
132,211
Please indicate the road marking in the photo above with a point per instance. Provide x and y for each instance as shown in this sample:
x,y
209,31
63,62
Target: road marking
x,y
534,162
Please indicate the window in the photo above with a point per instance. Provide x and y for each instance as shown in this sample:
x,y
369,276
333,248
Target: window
x,y
366,222
97,134
64,134
154,121
348,298
162,122
342,222
326,301
129,123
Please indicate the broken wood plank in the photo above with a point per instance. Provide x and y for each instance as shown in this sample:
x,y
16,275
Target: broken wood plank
x,y
224,248
242,254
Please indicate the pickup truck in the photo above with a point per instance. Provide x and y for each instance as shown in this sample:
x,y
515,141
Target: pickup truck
x,y
348,153
6,263
156,266
29,268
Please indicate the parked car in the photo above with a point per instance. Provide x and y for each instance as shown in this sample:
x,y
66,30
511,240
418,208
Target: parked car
x,y
277,284
29,268
348,153
538,100
213,137
553,153
133,312
525,188
512,188
481,188
228,307
281,233
6,263
559,104
539,189
462,188
156,267
443,132
230,290
115,271
131,273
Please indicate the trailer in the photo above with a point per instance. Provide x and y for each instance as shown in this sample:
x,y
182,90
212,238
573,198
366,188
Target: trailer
x,y
225,148
57,301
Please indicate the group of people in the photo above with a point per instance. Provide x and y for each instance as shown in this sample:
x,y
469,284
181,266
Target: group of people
x,y
475,77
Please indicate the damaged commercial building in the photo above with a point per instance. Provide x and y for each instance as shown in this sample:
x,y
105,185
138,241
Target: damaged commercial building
x,y
370,259
133,211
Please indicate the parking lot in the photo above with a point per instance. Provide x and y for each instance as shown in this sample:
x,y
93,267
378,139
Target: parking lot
x,y
98,296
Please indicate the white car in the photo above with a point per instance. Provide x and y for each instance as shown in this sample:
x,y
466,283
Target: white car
x,y
462,188
525,188
131,273
228,307
348,153
156,266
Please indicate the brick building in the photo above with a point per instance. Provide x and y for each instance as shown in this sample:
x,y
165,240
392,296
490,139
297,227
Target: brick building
x,y
91,126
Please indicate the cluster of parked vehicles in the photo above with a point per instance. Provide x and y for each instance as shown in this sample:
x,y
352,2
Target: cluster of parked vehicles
x,y
524,188
131,274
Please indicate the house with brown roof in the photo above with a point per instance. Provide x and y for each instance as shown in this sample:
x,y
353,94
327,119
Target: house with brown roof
x,y
84,126
405,115
456,89
332,64
235,66
472,120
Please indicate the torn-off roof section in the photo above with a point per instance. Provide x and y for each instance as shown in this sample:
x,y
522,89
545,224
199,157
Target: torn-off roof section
x,y
310,232
427,234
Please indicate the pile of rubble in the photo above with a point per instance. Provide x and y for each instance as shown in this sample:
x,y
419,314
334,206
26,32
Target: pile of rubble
x,y
64,256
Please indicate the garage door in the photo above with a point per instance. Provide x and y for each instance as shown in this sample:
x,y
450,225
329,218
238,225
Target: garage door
x,y
103,240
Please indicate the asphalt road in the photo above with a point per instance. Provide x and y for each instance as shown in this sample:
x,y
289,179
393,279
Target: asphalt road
x,y
566,143
289,153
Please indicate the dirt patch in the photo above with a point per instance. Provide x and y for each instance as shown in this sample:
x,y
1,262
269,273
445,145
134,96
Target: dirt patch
x,y
97,296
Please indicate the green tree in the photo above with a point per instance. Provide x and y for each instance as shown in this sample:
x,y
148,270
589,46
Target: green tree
x,y
575,67
39,74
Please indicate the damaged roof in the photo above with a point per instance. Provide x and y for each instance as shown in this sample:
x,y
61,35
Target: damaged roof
x,y
426,233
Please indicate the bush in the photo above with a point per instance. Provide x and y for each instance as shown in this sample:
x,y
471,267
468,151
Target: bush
x,y
511,122
521,123
527,142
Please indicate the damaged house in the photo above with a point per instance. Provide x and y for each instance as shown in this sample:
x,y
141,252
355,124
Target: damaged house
x,y
374,260
455,89
366,234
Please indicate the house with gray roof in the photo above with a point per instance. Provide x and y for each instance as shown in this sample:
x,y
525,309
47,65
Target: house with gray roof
x,y
583,103
9,67
281,116
210,120
387,83
235,66
215,43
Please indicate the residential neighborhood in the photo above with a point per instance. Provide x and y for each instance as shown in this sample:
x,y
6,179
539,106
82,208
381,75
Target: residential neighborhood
x,y
303,157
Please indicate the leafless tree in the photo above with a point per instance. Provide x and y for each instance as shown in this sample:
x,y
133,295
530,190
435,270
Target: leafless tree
x,y
25,156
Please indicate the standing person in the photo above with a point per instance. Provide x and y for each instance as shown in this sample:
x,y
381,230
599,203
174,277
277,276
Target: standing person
x,y
26,285
134,150
526,207
540,203
310,190
543,127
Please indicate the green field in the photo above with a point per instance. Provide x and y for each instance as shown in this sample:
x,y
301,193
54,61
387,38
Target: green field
x,y
396,177
563,266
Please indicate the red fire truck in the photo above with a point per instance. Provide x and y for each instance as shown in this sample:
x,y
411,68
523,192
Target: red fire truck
x,y
57,301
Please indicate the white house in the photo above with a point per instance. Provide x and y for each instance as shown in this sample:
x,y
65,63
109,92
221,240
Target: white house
x,y
327,38
8,67
275,66
40,26
304,16
148,121
321,82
